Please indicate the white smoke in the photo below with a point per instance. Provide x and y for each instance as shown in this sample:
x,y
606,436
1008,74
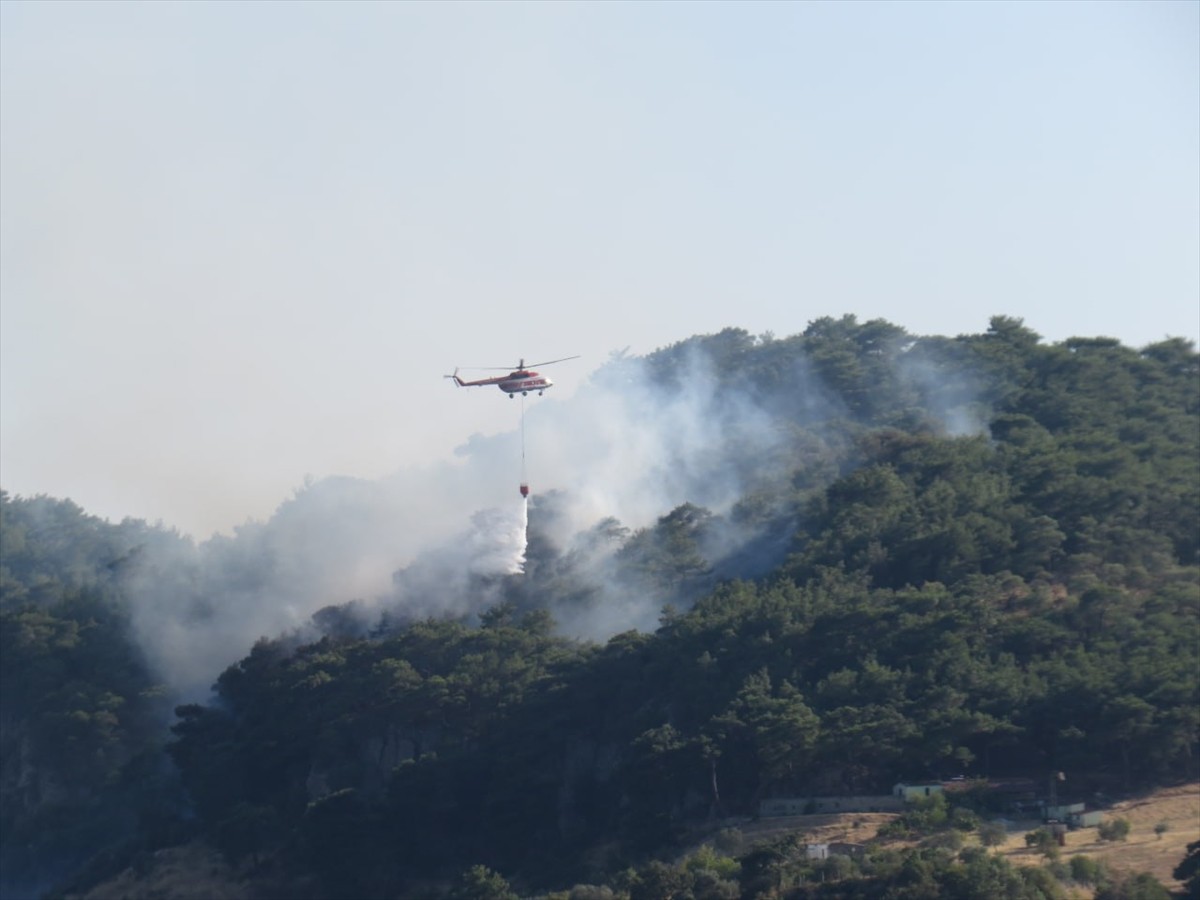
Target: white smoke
x,y
636,441
496,545
949,392
628,446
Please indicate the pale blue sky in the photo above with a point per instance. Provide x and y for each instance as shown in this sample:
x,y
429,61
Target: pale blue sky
x,y
241,242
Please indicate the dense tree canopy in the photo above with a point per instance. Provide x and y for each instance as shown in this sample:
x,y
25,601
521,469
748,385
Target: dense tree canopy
x,y
971,555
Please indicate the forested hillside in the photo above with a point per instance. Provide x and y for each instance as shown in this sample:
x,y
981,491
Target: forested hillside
x,y
901,558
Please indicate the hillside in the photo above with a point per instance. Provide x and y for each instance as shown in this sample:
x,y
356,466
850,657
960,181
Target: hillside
x,y
1143,850
892,558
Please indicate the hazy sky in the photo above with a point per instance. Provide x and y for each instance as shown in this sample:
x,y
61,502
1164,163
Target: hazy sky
x,y
240,243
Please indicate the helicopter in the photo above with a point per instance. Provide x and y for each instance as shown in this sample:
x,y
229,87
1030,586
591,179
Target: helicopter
x,y
520,380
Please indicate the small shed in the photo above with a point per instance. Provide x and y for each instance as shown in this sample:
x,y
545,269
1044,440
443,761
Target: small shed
x,y
816,851
1063,811
1085,819
910,792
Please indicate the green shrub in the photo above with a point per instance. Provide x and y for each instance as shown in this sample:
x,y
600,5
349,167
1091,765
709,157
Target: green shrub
x,y
945,840
1141,886
992,834
1086,870
1113,829
963,819
1043,842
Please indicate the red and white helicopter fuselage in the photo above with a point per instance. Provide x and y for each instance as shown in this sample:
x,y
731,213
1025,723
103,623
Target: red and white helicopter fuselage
x,y
520,381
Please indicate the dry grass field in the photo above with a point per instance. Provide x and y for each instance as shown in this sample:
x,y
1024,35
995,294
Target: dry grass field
x,y
1142,851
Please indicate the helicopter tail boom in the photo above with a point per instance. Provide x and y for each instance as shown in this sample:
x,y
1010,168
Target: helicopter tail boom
x,y
458,381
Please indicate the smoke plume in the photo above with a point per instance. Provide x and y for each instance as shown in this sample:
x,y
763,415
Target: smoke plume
x,y
640,438
497,541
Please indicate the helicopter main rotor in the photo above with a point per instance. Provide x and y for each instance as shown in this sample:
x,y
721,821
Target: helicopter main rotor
x,y
519,366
